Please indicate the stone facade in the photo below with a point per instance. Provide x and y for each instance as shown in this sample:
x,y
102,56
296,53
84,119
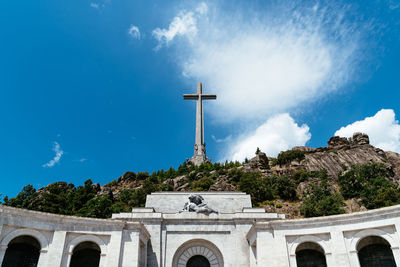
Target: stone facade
x,y
238,235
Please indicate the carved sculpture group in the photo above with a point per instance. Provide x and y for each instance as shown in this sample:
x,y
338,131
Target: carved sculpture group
x,y
196,204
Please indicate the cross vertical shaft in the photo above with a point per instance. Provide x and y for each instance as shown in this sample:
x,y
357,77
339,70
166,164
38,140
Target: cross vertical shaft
x,y
199,140
199,145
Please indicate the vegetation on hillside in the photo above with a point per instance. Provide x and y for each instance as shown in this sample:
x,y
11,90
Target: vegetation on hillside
x,y
84,200
320,200
315,192
371,184
286,157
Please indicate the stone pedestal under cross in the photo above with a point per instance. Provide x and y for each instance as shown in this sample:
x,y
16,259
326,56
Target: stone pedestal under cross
x,y
199,146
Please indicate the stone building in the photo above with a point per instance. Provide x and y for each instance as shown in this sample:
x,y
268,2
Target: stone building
x,y
215,229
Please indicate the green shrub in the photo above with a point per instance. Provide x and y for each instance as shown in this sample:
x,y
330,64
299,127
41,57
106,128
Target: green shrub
x,y
24,198
282,187
303,175
319,201
232,164
166,187
130,176
203,184
386,196
256,186
119,207
133,197
126,195
370,183
56,198
273,161
185,168
235,175
99,207
290,155
268,202
82,195
112,183
142,175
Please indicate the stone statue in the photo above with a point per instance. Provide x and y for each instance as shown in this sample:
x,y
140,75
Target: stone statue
x,y
196,204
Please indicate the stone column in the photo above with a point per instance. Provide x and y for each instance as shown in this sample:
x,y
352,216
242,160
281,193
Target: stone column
x,y
353,257
395,250
43,259
142,253
154,250
292,260
397,227
68,257
103,259
3,249
330,261
253,255
56,248
396,255
338,246
130,249
275,245
113,250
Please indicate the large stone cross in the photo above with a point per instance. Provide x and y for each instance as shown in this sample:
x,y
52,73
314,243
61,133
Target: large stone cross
x,y
199,145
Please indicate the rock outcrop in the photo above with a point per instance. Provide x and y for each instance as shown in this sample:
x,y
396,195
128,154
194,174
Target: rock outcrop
x,y
340,154
259,163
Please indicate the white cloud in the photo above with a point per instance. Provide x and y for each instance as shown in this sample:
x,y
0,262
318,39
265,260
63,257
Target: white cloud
x,y
264,63
394,4
277,134
57,157
82,160
383,130
100,5
134,31
202,8
184,24
95,5
222,140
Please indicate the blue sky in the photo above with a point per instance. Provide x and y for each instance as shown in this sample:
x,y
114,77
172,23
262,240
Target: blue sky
x,y
91,89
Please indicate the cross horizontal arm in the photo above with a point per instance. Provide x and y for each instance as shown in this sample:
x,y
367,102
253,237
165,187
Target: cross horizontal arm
x,y
209,96
190,97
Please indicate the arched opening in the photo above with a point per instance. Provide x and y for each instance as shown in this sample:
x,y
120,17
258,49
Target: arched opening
x,y
375,251
198,261
310,254
198,253
22,251
86,254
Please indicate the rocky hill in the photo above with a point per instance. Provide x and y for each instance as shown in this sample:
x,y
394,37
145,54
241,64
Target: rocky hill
x,y
345,176
340,155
